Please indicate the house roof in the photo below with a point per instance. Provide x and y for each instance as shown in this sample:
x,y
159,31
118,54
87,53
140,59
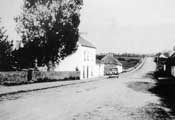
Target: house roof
x,y
163,56
99,61
109,59
166,54
172,55
85,43
171,60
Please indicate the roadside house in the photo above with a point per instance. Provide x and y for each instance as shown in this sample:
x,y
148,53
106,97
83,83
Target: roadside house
x,y
165,64
111,62
161,62
171,65
83,60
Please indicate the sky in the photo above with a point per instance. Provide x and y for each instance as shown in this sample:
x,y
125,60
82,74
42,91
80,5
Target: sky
x,y
135,26
8,10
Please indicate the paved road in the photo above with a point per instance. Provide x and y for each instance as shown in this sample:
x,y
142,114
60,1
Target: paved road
x,y
106,99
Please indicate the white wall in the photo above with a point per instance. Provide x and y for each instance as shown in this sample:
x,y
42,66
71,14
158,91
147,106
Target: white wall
x,y
88,64
84,59
70,62
120,69
173,71
99,70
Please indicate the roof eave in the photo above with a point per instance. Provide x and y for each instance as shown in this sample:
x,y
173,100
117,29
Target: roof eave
x,y
88,46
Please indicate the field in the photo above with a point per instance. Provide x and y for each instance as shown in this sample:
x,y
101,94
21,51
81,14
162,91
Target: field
x,y
129,62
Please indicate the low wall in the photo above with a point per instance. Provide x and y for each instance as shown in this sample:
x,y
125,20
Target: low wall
x,y
53,76
30,76
13,78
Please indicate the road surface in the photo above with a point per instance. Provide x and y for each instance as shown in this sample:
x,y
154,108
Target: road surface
x,y
121,98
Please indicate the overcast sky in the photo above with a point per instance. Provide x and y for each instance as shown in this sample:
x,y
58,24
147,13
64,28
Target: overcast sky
x,y
141,26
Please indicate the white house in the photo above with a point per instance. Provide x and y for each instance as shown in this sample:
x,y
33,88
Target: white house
x,y
111,62
84,60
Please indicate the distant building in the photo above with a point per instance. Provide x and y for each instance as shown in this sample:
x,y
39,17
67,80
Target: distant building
x,y
83,60
165,64
111,62
170,65
161,61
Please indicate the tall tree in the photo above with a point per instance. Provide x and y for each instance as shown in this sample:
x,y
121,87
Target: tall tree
x,y
49,29
5,50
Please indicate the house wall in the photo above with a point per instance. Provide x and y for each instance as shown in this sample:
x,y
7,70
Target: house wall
x,y
84,59
99,70
120,68
70,62
88,65
173,71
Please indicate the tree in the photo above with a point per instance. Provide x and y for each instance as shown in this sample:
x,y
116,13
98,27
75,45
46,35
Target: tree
x,y
49,29
5,51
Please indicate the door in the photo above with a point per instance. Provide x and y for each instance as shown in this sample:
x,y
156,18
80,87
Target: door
x,y
83,72
87,71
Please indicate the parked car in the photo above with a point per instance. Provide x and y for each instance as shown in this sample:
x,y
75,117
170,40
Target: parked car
x,y
113,72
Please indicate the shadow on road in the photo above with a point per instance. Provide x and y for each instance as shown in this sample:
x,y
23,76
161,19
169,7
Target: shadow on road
x,y
165,89
149,75
142,86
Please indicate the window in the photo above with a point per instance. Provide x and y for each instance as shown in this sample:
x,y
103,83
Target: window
x,y
87,56
84,55
91,71
83,71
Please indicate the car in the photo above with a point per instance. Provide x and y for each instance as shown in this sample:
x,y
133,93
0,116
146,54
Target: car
x,y
113,72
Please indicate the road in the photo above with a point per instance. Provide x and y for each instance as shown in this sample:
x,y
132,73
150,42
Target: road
x,y
124,98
